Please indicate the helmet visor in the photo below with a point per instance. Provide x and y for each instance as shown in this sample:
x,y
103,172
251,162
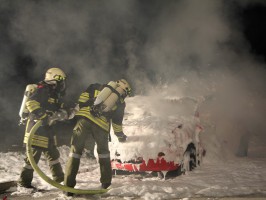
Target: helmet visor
x,y
61,86
59,78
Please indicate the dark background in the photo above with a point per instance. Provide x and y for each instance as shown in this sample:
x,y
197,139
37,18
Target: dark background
x,y
147,42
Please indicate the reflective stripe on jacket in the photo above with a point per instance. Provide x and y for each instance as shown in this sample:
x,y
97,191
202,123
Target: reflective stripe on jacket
x,y
44,100
100,121
86,100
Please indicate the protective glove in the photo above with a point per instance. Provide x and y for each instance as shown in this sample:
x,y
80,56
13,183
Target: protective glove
x,y
95,111
73,111
59,115
121,136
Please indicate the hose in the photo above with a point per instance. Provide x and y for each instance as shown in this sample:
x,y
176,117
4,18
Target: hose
x,y
46,178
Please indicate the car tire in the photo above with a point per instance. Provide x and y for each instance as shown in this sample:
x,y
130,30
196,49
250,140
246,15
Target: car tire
x,y
189,159
188,163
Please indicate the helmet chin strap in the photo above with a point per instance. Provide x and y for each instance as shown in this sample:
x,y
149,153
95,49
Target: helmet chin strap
x,y
51,82
57,85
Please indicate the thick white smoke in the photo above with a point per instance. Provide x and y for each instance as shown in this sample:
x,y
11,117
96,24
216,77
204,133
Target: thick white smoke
x,y
190,48
75,36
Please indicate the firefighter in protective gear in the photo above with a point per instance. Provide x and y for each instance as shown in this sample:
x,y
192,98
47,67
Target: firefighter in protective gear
x,y
45,104
98,126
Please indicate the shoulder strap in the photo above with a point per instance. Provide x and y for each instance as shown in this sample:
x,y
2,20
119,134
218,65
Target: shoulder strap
x,y
91,89
113,90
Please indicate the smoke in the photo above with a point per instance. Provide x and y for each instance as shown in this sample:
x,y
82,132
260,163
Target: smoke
x,y
199,51
184,48
78,37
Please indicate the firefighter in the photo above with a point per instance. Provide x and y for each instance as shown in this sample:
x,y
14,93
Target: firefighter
x,y
95,120
45,103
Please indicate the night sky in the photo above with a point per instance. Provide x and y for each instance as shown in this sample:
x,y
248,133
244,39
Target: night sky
x,y
147,42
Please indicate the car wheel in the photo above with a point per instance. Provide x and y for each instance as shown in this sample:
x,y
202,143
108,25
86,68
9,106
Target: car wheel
x,y
189,160
188,163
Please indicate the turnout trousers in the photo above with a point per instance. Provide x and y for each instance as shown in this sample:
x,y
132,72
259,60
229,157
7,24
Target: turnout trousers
x,y
52,155
43,142
83,128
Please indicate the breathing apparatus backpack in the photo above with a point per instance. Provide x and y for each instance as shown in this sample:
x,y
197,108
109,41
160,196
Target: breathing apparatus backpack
x,y
108,97
24,112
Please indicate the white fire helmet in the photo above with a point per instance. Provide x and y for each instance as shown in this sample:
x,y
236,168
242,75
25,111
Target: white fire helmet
x,y
54,75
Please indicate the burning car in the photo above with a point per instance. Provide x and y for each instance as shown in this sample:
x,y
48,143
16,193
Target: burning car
x,y
163,136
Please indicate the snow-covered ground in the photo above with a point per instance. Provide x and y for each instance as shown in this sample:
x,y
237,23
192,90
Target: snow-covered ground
x,y
232,177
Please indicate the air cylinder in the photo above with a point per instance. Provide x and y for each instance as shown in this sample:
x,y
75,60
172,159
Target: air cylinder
x,y
105,93
112,99
28,92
